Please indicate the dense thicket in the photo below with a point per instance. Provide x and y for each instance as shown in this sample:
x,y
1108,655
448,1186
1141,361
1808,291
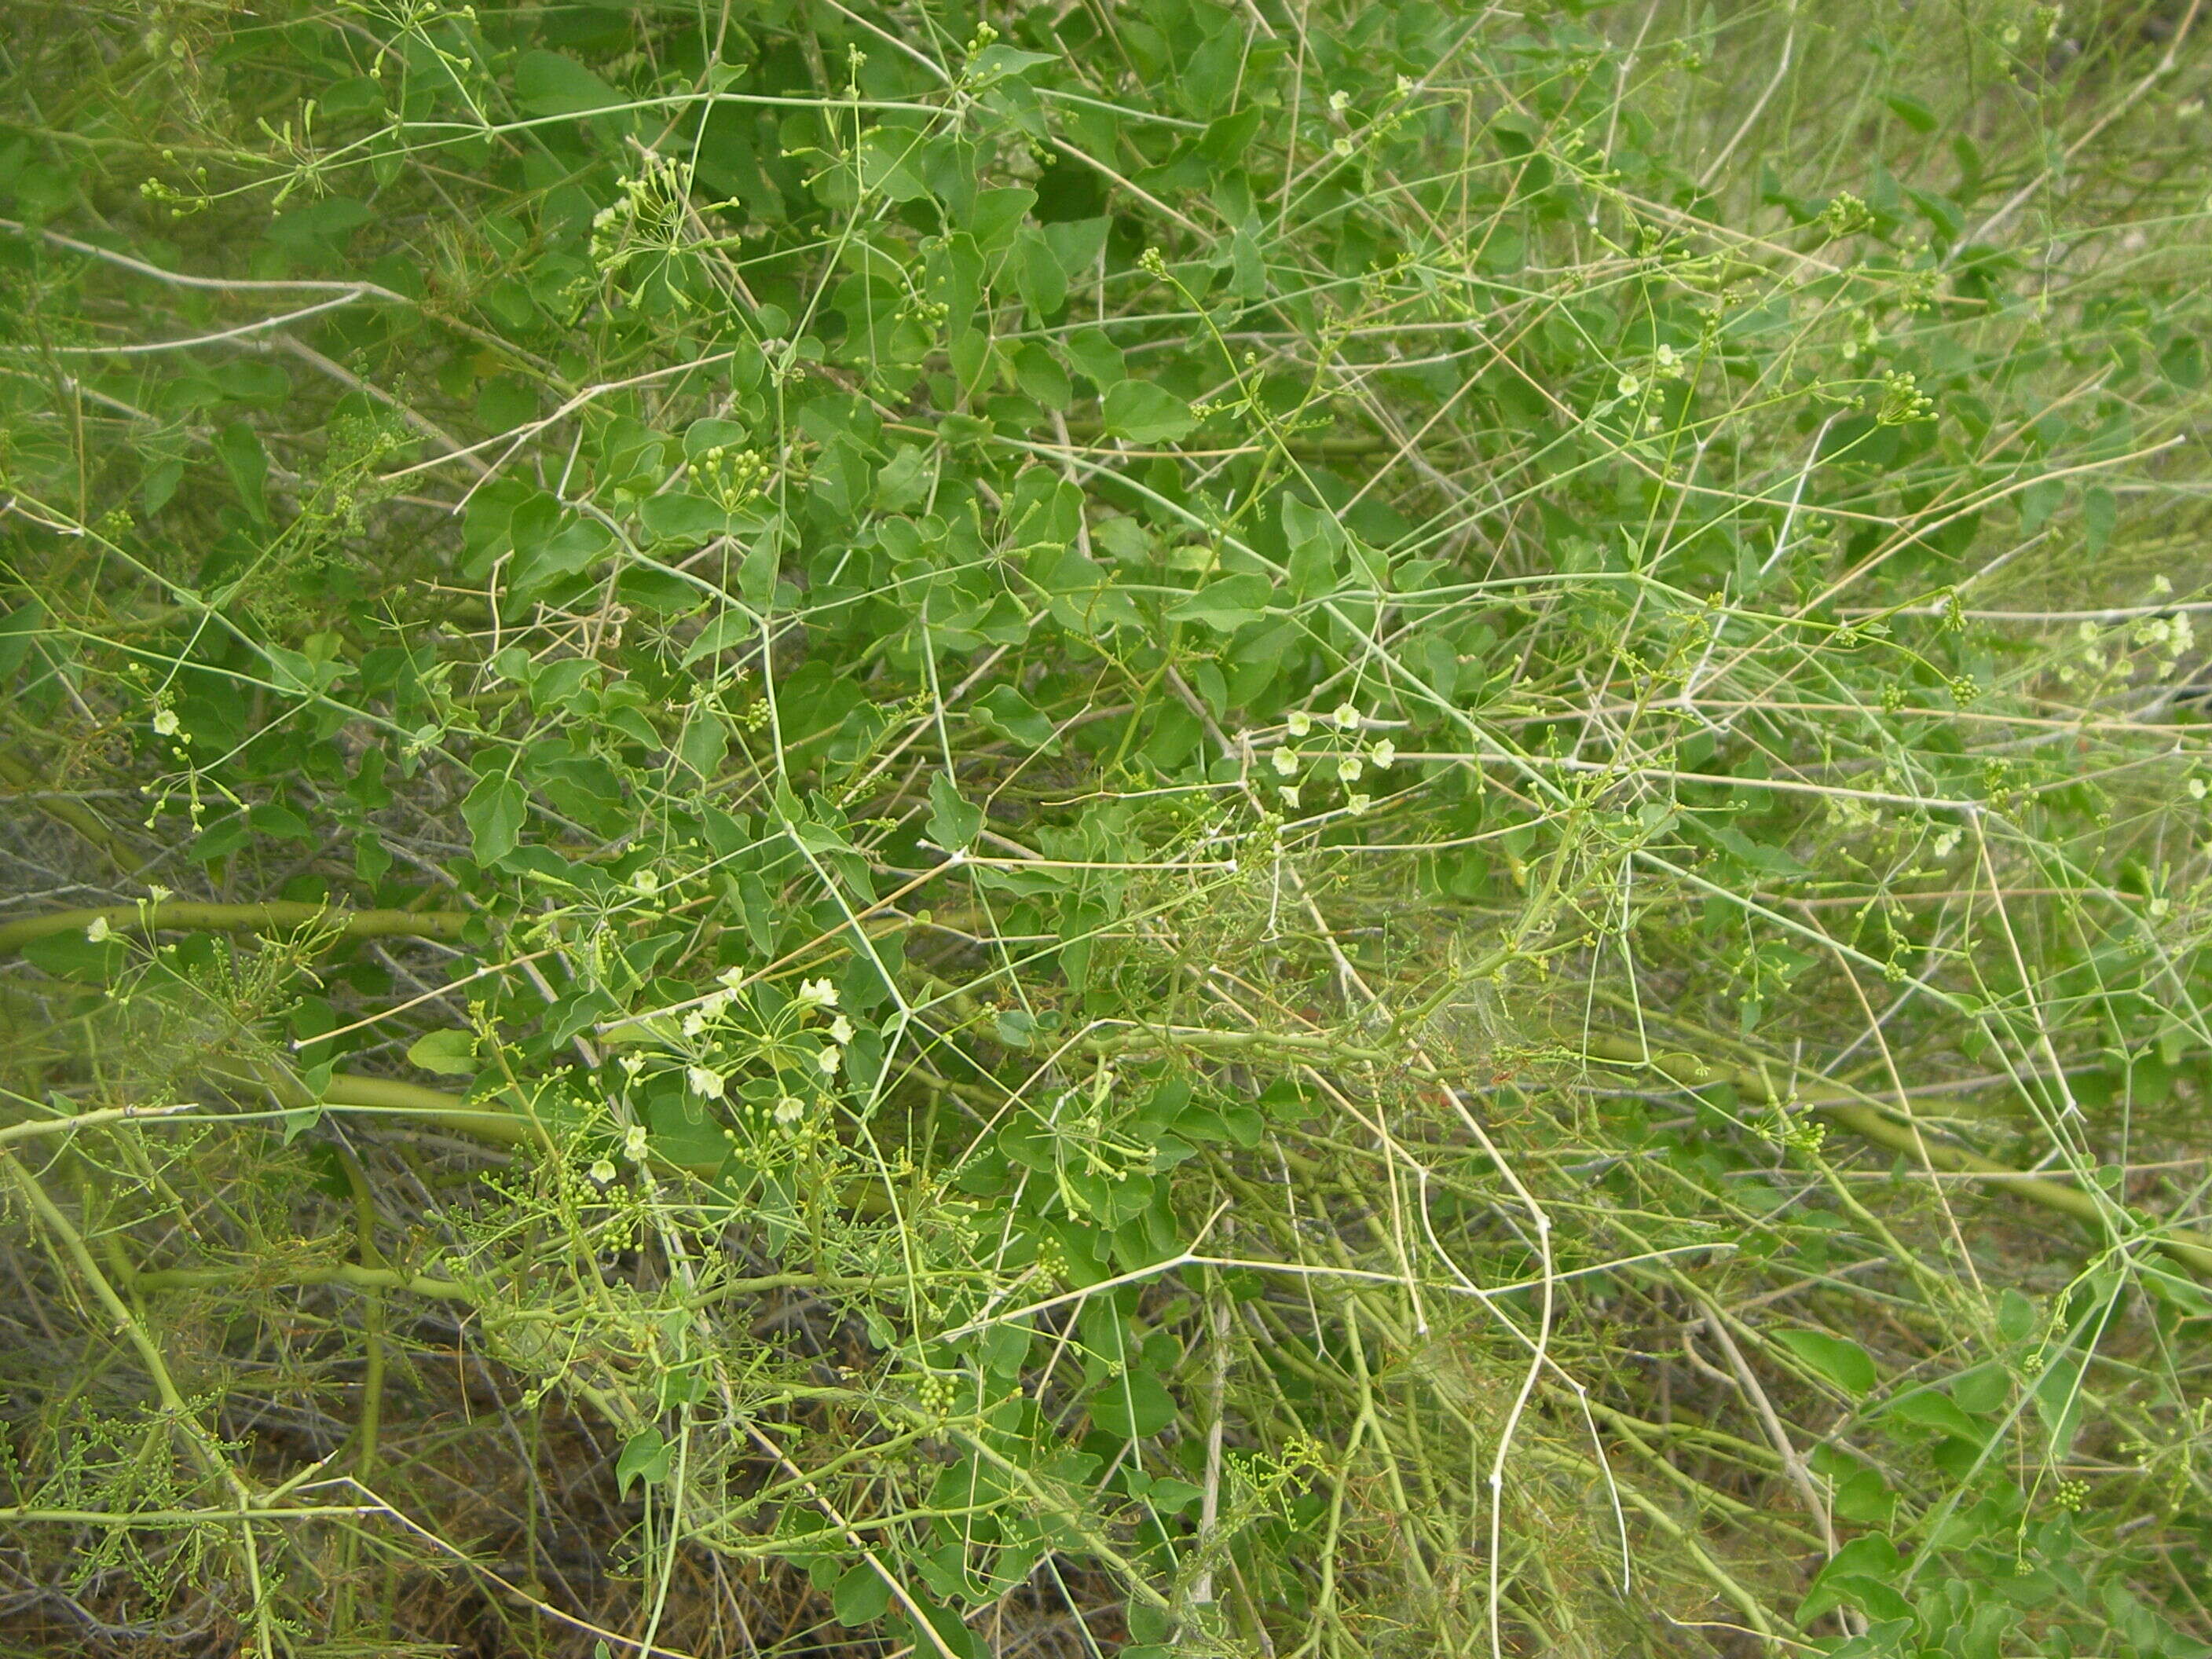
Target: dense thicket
x,y
1132,826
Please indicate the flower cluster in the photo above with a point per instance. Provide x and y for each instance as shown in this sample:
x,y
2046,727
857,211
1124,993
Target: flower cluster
x,y
647,216
731,477
1349,762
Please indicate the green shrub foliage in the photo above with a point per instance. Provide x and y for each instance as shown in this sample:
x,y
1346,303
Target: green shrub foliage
x,y
1141,826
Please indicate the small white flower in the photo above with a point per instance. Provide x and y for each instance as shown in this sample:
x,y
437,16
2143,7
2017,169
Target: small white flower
x,y
705,1082
730,979
165,723
603,1172
156,892
2197,789
1385,753
633,1142
1405,85
1665,357
1357,804
1628,386
1299,723
841,1031
789,1111
645,882
1286,763
633,1064
714,1004
99,930
1340,101
1290,794
830,1059
2160,588
694,1023
1350,768
1347,716
816,993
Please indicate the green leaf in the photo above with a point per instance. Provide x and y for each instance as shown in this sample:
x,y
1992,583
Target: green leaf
x,y
298,1120
274,818
704,743
1981,1389
251,380
1039,375
996,63
645,1456
494,811
300,674
1247,270
1911,110
683,1385
1869,1557
1862,1570
1076,244
904,480
72,956
568,553
1227,605
1028,1142
1132,1406
762,563
1146,413
676,517
1925,1408
1864,1499
1774,860
727,632
1096,355
546,83
1169,1496
689,1140
18,628
2101,511
321,229
953,822
2038,502
1005,710
889,162
1840,1360
1317,545
449,1054
159,482
2058,1401
861,1597
238,446
945,1634
996,213
1038,277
